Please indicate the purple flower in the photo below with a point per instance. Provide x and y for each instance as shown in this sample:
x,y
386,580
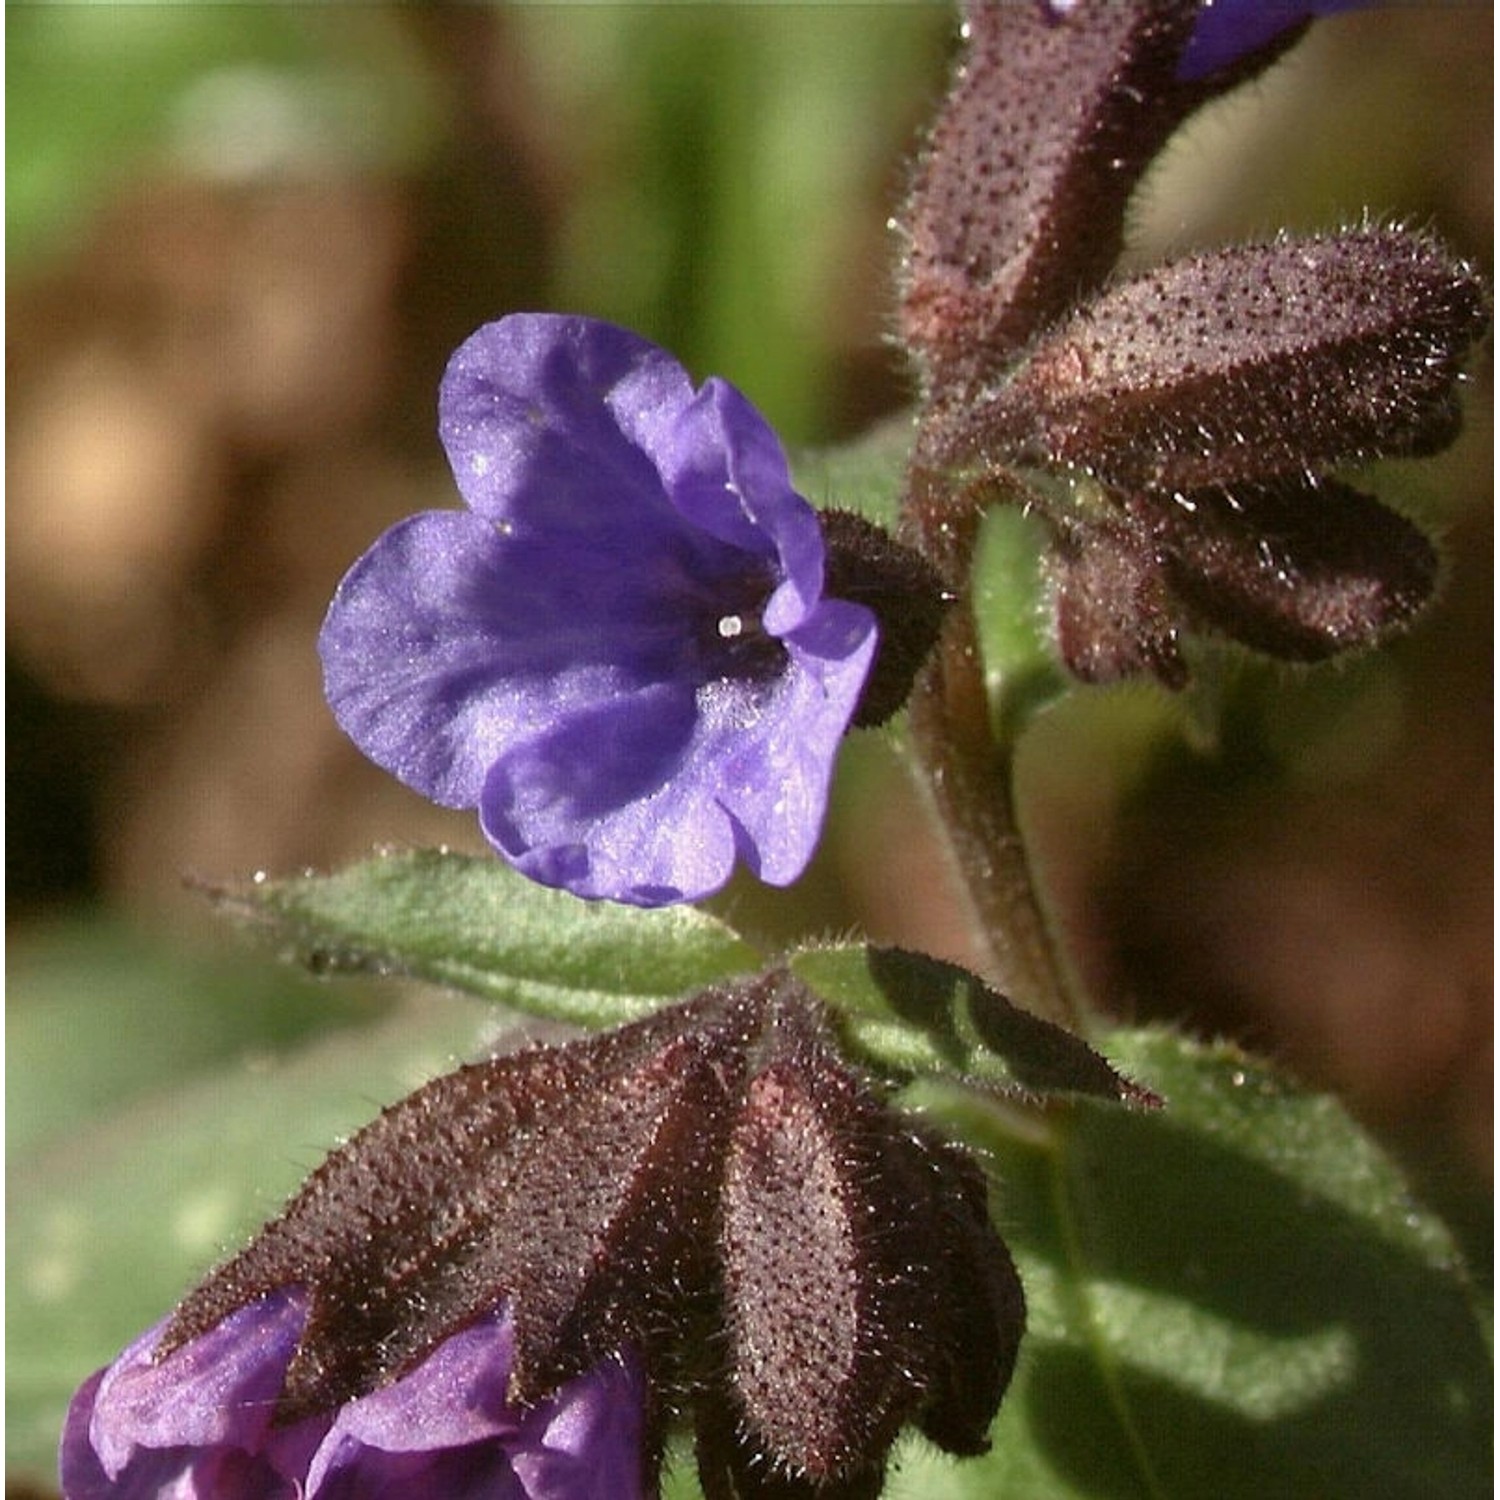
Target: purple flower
x,y
1228,29
197,1423
200,1424
446,1430
620,654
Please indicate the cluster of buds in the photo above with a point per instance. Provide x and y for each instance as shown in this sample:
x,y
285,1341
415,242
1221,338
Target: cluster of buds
x,y
710,1198
1176,431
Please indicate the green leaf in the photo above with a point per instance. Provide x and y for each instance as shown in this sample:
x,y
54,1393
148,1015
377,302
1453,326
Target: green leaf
x,y
919,1015
866,476
1234,1296
473,924
1012,616
109,1226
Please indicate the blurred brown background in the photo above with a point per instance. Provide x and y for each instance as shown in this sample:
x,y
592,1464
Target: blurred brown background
x,y
243,241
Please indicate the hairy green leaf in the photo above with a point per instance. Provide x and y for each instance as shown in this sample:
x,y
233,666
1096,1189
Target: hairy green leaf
x,y
916,1014
1234,1296
473,924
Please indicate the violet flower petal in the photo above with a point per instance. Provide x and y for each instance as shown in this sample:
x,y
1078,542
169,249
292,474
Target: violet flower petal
x,y
446,1430
727,473
1228,29
552,420
599,804
649,799
446,643
584,1443
621,655
197,1424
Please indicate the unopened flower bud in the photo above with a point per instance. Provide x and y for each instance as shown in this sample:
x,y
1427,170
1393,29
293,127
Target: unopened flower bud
x,y
707,1209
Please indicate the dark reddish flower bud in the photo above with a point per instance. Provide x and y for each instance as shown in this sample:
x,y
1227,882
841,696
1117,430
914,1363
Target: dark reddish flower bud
x,y
863,1283
541,1179
1300,568
1246,363
711,1196
1173,430
897,584
1017,205
1113,615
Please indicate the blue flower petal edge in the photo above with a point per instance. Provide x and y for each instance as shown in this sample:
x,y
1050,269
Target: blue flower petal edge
x,y
198,1425
1228,29
620,655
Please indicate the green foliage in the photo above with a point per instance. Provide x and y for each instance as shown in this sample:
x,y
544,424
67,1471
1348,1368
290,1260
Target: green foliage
x,y
474,924
1233,1296
919,1015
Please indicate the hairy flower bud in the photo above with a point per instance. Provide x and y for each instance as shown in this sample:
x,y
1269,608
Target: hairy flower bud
x,y
897,584
1299,568
705,1209
1174,431
543,1179
1246,363
821,1284
1017,205
1114,616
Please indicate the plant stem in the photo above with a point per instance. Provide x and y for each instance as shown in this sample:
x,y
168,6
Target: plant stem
x,y
969,772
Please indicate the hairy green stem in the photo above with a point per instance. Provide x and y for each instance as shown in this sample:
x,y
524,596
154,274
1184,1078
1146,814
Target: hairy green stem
x,y
968,772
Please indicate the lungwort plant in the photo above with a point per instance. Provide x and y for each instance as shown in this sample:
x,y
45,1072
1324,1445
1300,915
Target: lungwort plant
x,y
812,1223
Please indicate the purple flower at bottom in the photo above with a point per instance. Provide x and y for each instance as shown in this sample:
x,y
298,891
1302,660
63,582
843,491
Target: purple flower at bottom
x,y
200,1424
445,1430
1228,29
621,653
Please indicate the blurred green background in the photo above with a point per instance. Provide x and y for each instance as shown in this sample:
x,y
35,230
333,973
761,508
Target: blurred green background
x,y
242,241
